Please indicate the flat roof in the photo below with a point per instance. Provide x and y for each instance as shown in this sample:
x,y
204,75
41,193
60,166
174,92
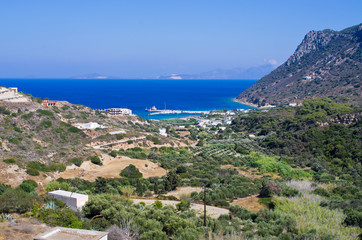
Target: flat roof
x,y
60,233
67,194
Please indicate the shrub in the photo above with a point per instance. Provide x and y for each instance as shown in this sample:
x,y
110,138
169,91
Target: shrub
x,y
76,161
45,112
95,160
131,172
27,116
28,186
57,167
15,201
4,110
74,130
113,153
32,172
9,161
45,124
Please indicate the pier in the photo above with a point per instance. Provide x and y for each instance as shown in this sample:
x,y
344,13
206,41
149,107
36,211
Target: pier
x,y
178,112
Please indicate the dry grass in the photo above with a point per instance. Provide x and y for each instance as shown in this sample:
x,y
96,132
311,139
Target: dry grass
x,y
22,229
250,203
111,168
184,191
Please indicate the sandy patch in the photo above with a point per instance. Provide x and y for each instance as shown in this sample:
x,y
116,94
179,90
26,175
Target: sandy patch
x,y
211,211
251,203
111,168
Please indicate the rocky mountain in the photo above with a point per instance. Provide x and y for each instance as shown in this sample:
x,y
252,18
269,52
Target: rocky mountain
x,y
235,73
326,63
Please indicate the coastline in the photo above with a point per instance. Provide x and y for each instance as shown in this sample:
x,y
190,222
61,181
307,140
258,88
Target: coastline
x,y
245,103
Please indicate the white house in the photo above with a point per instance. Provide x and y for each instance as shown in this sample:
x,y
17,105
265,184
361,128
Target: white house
x,y
119,111
163,132
58,233
74,200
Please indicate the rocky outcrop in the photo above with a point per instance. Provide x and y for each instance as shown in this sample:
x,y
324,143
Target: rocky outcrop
x,y
326,63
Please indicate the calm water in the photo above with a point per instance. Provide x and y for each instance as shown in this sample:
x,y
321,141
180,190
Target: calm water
x,y
138,94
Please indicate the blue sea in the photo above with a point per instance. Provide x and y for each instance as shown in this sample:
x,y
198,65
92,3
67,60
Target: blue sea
x,y
196,95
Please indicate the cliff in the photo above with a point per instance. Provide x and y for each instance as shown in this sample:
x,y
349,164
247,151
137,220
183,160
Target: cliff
x,y
326,63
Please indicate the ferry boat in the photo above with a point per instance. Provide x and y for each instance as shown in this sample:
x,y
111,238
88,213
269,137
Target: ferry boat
x,y
152,109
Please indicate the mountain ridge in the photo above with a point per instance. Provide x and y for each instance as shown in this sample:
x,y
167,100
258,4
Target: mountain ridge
x,y
326,63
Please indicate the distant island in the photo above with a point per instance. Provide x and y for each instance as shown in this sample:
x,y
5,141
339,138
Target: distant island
x,y
235,73
93,76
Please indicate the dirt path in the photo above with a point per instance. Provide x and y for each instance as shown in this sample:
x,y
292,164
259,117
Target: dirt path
x,y
211,211
111,168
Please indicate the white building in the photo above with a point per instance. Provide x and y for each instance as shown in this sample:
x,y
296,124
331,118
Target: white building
x,y
90,125
58,233
74,200
163,132
119,111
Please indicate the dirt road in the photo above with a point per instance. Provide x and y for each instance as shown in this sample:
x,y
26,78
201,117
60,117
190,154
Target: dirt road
x,y
211,211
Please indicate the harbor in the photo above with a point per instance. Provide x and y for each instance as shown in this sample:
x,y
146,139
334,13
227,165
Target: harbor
x,y
178,112
155,111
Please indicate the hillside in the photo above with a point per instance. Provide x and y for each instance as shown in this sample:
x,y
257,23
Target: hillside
x,y
326,63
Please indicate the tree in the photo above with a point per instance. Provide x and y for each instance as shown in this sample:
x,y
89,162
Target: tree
x,y
172,181
127,190
35,208
131,172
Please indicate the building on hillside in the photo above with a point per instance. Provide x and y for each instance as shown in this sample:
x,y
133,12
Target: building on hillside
x,y
163,132
90,125
74,200
14,89
48,103
58,233
118,111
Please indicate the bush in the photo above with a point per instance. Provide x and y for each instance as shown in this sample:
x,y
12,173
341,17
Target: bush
x,y
15,201
57,167
45,124
32,172
9,161
131,172
95,160
4,110
76,161
28,186
45,112
74,130
113,153
60,217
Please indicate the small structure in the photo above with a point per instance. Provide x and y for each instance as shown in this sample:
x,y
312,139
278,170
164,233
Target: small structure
x,y
90,125
163,132
74,200
59,233
14,89
118,111
48,103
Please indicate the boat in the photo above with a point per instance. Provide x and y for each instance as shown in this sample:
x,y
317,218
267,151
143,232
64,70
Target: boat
x,y
152,109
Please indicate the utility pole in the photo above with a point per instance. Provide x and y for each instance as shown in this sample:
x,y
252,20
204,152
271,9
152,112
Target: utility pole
x,y
205,207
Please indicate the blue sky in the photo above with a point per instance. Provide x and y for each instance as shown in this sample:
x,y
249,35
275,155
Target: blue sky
x,y
144,39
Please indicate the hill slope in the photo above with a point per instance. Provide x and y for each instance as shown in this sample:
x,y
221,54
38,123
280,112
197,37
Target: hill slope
x,y
326,63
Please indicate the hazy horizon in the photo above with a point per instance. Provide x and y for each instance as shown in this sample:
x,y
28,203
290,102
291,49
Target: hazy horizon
x,y
144,40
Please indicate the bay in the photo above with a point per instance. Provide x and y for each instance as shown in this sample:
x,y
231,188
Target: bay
x,y
194,95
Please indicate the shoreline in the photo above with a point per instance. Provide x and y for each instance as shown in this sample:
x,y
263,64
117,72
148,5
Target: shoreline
x,y
245,103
